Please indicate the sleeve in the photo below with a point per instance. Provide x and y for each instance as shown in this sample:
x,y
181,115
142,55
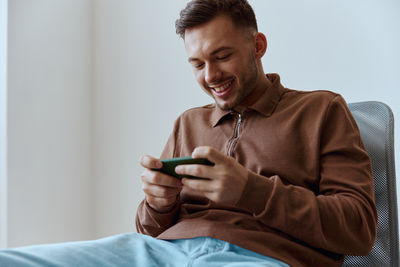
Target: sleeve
x,y
149,221
342,216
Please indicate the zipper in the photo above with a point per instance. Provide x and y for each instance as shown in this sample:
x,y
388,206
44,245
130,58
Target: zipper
x,y
236,135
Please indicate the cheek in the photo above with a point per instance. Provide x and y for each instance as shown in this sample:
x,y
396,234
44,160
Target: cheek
x,y
200,79
231,68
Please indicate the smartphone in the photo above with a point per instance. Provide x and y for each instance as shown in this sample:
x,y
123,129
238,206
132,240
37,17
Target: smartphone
x,y
170,164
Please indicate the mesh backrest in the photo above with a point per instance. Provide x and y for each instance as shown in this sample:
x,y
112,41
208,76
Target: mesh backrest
x,y
375,121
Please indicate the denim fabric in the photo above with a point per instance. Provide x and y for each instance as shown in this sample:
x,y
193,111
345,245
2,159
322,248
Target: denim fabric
x,y
136,250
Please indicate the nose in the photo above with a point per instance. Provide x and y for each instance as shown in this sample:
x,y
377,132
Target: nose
x,y
212,74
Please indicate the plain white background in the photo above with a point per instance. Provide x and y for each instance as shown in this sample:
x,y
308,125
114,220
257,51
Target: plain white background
x,y
3,122
95,84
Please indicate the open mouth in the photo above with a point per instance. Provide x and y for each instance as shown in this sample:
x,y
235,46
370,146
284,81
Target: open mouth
x,y
224,89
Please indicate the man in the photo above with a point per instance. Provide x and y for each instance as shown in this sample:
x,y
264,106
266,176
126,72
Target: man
x,y
291,183
291,178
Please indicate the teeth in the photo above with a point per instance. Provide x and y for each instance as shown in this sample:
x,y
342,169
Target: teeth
x,y
222,88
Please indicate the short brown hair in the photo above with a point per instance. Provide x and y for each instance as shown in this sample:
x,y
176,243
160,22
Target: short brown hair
x,y
198,12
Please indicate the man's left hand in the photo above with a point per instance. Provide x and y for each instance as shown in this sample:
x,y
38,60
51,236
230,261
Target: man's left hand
x,y
225,181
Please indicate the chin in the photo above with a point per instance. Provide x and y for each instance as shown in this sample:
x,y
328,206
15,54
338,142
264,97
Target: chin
x,y
224,106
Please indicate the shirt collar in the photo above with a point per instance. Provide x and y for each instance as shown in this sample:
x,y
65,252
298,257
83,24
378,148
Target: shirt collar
x,y
265,105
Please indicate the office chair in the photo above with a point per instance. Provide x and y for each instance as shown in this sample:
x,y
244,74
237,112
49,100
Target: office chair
x,y
375,121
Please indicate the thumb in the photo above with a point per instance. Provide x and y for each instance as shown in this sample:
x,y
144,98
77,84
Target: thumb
x,y
150,162
209,153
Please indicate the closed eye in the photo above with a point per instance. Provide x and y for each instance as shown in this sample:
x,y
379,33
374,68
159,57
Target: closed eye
x,y
224,57
198,66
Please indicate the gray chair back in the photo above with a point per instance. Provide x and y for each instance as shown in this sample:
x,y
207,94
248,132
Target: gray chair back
x,y
376,123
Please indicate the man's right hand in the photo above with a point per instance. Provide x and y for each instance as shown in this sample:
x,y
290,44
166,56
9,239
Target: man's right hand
x,y
161,190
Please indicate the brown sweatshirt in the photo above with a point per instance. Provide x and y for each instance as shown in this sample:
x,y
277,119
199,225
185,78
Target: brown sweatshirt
x,y
309,198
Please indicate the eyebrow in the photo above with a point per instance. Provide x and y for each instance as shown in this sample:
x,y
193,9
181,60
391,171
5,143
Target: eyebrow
x,y
216,51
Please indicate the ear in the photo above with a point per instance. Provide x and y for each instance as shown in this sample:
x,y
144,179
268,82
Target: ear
x,y
261,45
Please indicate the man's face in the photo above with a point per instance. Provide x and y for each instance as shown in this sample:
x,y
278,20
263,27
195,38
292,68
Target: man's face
x,y
223,61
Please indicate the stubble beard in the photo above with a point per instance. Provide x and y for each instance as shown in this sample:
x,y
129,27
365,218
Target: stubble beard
x,y
249,79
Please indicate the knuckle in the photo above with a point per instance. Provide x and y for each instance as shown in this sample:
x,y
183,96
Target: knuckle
x,y
163,201
144,186
188,184
208,150
150,199
225,176
154,177
149,176
147,189
143,176
218,187
163,191
196,171
217,197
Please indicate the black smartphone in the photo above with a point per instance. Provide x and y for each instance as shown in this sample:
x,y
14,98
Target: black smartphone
x,y
170,164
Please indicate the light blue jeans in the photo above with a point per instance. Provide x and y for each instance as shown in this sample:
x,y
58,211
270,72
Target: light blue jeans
x,y
136,250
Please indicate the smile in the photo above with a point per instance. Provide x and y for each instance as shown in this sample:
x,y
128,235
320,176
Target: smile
x,y
223,89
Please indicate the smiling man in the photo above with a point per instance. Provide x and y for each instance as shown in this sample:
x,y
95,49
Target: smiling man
x,y
290,183
225,63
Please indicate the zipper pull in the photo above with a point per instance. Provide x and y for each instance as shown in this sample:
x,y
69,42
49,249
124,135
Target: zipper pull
x,y
238,124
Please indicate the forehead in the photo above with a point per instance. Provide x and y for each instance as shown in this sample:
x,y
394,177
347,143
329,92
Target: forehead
x,y
219,32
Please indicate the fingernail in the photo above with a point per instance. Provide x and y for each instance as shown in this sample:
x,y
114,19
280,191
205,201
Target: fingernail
x,y
178,169
158,164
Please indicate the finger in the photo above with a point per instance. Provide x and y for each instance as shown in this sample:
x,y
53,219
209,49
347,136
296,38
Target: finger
x,y
150,162
195,193
157,202
209,153
196,170
160,191
159,178
198,184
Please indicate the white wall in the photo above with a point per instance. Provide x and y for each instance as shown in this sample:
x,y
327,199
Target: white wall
x,y
3,123
350,47
69,180
50,179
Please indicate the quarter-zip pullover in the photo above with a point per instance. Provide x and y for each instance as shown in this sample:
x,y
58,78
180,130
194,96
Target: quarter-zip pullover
x,y
309,197
236,134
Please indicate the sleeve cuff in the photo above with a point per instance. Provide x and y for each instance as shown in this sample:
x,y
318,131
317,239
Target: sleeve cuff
x,y
256,193
160,219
